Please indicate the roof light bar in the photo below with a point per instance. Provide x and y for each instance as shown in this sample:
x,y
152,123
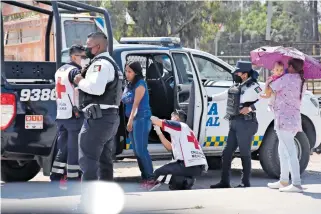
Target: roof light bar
x,y
164,41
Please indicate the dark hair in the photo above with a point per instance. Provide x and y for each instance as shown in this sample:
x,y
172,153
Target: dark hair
x,y
76,49
253,74
181,114
297,65
279,63
137,68
97,35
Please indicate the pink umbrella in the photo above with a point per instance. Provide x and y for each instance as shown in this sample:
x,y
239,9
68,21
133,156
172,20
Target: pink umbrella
x,y
267,56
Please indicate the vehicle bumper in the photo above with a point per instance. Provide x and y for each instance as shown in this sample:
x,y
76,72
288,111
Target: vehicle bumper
x,y
316,120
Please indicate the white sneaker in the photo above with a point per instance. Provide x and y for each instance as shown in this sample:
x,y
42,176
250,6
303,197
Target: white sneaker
x,y
291,188
276,185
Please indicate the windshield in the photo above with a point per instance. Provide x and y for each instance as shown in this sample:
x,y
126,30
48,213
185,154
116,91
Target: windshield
x,y
76,32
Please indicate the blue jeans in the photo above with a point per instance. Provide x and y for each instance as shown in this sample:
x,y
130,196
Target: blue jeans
x,y
139,138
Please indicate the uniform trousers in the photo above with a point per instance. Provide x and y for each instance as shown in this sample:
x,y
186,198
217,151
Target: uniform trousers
x,y
240,135
96,142
67,145
179,173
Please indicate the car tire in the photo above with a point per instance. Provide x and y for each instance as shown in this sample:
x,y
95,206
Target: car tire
x,y
11,171
214,163
269,157
309,130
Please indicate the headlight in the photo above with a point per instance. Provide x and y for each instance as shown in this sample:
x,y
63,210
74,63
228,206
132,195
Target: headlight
x,y
314,101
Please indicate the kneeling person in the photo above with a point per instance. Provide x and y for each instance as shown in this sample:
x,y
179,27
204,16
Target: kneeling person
x,y
189,159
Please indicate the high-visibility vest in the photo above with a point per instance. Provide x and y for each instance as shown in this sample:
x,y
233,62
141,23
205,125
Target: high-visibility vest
x,y
66,93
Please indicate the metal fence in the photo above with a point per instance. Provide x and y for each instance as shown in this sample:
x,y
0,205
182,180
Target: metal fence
x,y
233,59
230,49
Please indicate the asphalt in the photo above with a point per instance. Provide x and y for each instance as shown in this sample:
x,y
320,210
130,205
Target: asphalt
x,y
40,196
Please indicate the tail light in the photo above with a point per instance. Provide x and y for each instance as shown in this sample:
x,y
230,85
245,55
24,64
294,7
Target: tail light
x,y
8,109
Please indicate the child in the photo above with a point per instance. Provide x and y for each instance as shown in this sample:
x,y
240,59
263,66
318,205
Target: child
x,y
277,71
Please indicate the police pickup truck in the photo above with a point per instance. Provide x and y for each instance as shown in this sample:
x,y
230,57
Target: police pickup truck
x,y
177,77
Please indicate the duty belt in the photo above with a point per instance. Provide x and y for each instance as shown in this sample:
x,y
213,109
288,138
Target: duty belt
x,y
249,116
88,114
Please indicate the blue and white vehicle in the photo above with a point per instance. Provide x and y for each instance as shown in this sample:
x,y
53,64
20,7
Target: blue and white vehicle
x,y
210,75
177,77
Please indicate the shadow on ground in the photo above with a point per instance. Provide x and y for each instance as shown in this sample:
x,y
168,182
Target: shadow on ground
x,y
131,185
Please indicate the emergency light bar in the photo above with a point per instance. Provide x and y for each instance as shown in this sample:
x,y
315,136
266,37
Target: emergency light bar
x,y
163,41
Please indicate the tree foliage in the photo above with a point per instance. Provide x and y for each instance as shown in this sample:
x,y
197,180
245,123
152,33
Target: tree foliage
x,y
291,21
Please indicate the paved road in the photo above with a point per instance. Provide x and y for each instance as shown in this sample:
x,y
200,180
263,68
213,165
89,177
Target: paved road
x,y
39,194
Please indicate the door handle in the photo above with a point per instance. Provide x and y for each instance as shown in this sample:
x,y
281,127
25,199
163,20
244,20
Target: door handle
x,y
179,88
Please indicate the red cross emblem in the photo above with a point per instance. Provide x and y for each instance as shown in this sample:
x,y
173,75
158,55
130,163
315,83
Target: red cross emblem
x,y
191,138
60,88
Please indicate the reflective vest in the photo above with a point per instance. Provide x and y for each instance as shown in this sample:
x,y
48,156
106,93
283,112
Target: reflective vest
x,y
66,94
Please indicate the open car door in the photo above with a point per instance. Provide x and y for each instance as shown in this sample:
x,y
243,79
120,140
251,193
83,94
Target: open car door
x,y
189,92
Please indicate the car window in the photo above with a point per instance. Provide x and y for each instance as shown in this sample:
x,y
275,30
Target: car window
x,y
76,32
211,70
184,68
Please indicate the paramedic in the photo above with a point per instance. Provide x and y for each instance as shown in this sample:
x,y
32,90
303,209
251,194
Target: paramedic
x,y
68,121
189,160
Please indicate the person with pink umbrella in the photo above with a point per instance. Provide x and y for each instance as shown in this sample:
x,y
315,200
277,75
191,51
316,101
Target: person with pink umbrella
x,y
288,90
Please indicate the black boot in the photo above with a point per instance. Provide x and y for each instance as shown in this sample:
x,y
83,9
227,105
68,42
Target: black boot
x,y
242,185
189,183
246,172
220,185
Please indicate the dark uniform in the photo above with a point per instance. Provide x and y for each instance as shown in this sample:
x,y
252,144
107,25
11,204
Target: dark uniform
x,y
100,94
68,124
242,126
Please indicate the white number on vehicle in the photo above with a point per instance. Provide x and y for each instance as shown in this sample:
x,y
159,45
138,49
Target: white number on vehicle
x,y
37,94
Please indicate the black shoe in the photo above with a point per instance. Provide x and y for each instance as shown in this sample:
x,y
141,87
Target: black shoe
x,y
243,186
220,185
189,183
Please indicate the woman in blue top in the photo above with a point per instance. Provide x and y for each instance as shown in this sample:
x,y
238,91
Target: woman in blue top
x,y
137,110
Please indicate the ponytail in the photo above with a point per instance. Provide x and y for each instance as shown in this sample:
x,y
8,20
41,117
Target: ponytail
x,y
301,72
297,65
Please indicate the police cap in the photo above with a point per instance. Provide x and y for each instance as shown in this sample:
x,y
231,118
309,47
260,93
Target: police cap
x,y
243,66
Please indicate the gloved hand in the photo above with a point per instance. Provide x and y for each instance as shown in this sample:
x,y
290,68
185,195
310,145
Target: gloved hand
x,y
154,118
158,130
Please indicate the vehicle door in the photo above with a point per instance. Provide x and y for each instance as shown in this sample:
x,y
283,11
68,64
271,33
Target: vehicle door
x,y
216,78
187,80
155,148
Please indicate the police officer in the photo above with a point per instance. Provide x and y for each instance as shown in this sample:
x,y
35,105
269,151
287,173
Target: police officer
x,y
69,122
100,86
241,106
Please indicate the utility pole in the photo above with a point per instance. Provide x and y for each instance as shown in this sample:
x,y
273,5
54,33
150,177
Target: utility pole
x,y
241,30
268,21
